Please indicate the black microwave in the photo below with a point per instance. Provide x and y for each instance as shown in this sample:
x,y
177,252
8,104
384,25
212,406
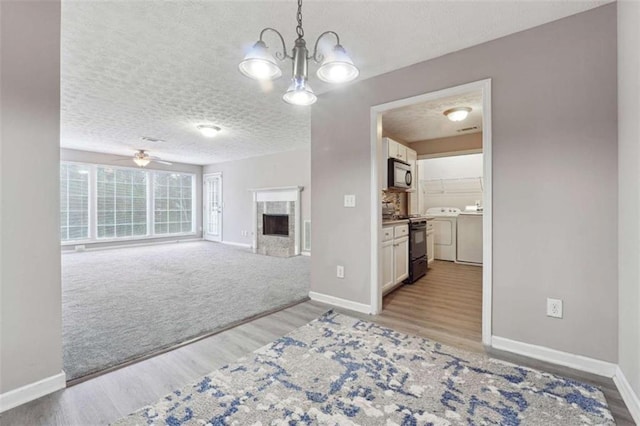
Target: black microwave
x,y
399,174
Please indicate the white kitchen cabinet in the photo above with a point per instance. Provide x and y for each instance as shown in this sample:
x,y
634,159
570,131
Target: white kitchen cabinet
x,y
401,259
412,157
430,243
394,255
401,152
394,149
400,231
413,200
387,265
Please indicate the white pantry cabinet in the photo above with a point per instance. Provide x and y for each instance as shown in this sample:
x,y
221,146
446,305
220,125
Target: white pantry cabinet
x,y
394,255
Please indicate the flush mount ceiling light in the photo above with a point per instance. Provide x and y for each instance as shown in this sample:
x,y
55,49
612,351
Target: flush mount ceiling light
x,y
336,66
208,130
457,114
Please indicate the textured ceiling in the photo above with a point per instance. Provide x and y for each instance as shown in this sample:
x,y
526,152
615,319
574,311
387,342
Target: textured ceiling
x,y
426,120
159,68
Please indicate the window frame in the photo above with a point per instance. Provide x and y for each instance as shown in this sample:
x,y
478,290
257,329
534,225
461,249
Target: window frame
x,y
150,192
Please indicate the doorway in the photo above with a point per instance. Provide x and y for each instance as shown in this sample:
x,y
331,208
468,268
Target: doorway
x,y
212,190
378,181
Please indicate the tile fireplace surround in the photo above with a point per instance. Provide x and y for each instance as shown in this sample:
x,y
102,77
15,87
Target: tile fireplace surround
x,y
280,200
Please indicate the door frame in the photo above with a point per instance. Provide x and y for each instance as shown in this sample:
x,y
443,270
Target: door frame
x,y
487,219
205,219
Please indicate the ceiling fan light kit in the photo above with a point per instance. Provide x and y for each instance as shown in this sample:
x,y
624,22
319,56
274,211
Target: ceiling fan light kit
x,y
336,66
142,159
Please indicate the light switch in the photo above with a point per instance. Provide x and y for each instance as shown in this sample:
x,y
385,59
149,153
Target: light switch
x,y
350,200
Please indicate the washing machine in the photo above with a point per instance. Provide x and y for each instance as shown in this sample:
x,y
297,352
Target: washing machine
x,y
444,231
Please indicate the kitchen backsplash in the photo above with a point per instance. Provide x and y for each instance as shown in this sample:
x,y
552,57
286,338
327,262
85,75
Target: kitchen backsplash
x,y
398,199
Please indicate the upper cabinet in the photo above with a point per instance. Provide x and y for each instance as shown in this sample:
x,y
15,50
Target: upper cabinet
x,y
396,150
393,149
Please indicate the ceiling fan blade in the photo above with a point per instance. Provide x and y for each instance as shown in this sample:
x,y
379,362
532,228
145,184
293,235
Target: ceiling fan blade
x,y
124,159
163,162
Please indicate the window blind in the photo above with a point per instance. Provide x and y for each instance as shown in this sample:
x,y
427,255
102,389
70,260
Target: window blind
x,y
121,202
173,203
74,202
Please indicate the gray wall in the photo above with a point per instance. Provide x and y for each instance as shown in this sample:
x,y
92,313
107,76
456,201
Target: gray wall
x,y
629,191
117,160
283,169
31,348
554,138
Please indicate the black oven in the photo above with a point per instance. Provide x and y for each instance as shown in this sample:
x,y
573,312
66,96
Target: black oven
x,y
417,249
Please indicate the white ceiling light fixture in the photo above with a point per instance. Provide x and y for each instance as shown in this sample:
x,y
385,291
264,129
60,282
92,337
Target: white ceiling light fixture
x,y
336,67
457,114
208,130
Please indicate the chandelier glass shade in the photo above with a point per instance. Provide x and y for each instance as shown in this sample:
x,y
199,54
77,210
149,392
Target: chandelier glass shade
x,y
336,65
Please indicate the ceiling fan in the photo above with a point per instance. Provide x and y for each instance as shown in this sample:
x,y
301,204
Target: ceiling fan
x,y
142,158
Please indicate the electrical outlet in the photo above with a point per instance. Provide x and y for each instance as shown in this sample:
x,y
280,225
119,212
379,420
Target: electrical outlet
x,y
350,200
554,308
340,271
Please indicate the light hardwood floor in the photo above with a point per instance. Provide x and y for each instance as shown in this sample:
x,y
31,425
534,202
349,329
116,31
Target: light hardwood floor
x,y
444,305
106,398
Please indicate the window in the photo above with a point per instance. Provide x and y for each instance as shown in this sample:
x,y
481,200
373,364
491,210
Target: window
x,y
74,202
100,203
122,202
173,203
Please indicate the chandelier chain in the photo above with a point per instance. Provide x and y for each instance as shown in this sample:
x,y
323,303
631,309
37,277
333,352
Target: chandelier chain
x,y
299,28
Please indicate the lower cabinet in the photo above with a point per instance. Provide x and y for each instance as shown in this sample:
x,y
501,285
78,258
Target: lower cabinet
x,y
387,265
395,260
430,248
401,259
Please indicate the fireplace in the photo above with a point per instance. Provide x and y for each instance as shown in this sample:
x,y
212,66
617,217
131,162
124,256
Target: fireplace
x,y
276,221
275,224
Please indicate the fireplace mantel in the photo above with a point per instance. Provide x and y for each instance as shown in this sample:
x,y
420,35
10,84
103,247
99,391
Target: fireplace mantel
x,y
289,194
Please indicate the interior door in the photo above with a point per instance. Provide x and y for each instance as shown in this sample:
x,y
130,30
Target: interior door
x,y
212,189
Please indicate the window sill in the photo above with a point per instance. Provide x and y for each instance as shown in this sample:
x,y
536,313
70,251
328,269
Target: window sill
x,y
124,239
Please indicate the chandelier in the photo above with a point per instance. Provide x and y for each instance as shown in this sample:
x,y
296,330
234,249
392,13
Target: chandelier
x,y
336,66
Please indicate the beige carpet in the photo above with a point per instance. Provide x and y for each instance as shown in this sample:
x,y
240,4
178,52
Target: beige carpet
x,y
120,304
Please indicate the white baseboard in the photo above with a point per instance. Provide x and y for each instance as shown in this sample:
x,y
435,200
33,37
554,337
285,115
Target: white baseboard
x,y
232,243
305,253
112,245
578,362
24,394
629,397
341,303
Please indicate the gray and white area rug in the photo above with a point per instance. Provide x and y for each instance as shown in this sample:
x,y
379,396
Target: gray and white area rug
x,y
342,371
